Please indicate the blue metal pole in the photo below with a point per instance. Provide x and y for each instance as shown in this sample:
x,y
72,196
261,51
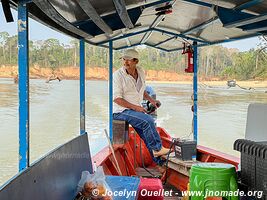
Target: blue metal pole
x,y
124,36
23,64
195,84
110,90
82,87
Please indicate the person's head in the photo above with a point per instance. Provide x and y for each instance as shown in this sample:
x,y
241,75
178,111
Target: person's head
x,y
130,58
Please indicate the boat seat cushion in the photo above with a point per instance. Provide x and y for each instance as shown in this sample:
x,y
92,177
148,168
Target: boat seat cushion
x,y
150,188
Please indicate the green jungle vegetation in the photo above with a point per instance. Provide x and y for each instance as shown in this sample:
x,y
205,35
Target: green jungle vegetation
x,y
214,61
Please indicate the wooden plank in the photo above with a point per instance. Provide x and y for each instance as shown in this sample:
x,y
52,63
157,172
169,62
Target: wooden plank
x,y
128,163
179,165
94,16
143,173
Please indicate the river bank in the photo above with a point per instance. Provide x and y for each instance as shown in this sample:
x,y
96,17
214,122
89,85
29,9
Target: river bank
x,y
245,84
101,73
93,73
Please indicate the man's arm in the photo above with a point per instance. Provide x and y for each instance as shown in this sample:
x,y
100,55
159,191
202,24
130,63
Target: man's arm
x,y
149,98
122,102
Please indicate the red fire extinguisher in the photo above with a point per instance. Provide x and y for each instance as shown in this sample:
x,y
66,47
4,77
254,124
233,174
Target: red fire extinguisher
x,y
190,60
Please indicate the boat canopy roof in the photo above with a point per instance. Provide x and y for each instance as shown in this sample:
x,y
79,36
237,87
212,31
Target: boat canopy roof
x,y
163,24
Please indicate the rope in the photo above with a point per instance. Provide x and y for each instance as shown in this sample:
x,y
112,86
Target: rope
x,y
143,164
167,161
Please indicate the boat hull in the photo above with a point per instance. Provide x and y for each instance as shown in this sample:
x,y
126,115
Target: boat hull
x,y
129,159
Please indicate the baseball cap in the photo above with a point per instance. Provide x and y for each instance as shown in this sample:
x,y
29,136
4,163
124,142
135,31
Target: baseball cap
x,y
130,54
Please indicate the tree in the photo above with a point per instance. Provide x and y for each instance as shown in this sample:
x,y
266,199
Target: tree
x,y
12,44
75,45
261,58
3,40
214,61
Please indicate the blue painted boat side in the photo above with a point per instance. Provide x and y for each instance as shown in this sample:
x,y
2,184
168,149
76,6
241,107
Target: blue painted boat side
x,y
55,176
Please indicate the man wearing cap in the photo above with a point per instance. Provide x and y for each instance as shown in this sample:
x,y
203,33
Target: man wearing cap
x,y
128,93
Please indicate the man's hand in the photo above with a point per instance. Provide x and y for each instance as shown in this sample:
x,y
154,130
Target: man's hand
x,y
156,103
139,109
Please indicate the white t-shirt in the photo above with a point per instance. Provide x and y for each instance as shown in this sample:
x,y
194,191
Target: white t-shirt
x,y
126,87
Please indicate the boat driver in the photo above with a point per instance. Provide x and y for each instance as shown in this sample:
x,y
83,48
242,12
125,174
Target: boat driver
x,y
128,93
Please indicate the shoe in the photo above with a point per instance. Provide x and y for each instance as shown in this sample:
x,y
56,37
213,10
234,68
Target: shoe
x,y
161,152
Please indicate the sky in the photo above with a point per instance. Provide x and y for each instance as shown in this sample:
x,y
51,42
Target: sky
x,y
38,31
243,45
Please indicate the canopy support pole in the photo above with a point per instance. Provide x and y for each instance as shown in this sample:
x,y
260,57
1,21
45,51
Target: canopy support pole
x,y
195,84
110,90
23,65
82,87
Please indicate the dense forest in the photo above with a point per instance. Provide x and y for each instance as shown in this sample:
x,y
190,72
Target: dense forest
x,y
214,61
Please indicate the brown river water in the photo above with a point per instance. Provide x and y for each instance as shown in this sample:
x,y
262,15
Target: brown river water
x,y
54,116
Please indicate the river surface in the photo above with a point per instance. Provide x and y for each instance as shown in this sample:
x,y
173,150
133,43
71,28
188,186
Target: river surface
x,y
54,116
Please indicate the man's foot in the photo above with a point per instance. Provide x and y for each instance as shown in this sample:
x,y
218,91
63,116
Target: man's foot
x,y
161,152
161,169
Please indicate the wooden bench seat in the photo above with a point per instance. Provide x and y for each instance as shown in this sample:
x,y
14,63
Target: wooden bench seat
x,y
179,165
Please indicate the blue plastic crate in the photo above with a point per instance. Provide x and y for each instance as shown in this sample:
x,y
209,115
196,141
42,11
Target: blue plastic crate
x,y
123,184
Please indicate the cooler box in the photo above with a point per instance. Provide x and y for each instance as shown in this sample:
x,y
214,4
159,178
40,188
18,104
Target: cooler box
x,y
253,164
